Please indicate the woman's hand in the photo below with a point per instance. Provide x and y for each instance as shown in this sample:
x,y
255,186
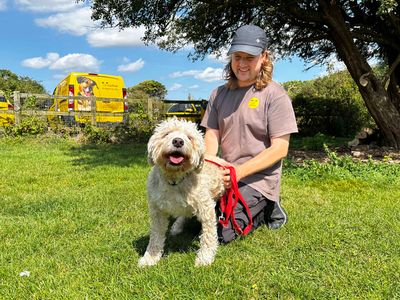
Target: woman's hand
x,y
225,171
227,178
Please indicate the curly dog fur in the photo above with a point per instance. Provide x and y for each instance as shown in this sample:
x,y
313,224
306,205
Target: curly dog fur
x,y
181,184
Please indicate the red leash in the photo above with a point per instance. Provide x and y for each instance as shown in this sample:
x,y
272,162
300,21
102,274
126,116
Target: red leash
x,y
229,201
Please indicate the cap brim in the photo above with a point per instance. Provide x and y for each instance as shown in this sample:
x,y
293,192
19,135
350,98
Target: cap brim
x,y
245,48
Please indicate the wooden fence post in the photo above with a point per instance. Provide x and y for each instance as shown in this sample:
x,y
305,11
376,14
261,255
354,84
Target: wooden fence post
x,y
17,107
150,107
93,109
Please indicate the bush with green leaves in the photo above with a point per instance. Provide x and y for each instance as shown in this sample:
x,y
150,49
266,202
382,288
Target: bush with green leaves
x,y
28,126
137,128
330,105
97,135
330,116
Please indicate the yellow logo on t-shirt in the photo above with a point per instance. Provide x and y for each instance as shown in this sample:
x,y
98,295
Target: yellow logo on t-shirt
x,y
253,102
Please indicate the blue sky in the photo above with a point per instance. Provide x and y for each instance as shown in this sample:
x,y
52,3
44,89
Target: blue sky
x,y
46,39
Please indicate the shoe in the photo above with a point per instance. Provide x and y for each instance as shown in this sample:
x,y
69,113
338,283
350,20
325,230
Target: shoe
x,y
275,215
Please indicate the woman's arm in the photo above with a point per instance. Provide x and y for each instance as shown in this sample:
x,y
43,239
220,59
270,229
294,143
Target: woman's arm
x,y
211,139
212,143
278,150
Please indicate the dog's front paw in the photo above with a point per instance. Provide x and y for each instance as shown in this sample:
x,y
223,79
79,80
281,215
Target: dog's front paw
x,y
148,260
204,258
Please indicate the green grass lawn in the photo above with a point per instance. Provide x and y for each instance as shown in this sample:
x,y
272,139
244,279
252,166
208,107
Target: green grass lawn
x,y
75,217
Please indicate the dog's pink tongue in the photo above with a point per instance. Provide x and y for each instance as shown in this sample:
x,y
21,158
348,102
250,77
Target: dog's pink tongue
x,y
176,159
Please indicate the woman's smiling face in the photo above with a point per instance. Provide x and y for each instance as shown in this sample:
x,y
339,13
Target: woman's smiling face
x,y
246,67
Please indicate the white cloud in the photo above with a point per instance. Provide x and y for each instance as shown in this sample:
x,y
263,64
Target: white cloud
x,y
175,86
209,74
132,67
47,5
190,73
222,57
40,62
77,22
111,37
70,62
3,5
77,62
195,86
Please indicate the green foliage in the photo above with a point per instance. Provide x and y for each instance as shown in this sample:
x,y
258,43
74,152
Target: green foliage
x,y
138,102
28,126
97,135
138,128
32,103
151,88
336,117
387,6
11,82
344,168
330,105
316,142
209,25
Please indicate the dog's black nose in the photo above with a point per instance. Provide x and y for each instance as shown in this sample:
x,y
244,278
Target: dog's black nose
x,y
177,142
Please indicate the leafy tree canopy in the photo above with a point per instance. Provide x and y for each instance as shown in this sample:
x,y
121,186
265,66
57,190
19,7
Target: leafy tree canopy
x,y
293,27
151,88
10,82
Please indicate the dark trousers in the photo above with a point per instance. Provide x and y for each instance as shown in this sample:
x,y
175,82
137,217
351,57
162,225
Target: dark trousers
x,y
256,202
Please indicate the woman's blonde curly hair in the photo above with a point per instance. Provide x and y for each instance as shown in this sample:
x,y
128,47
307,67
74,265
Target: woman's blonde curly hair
x,y
263,78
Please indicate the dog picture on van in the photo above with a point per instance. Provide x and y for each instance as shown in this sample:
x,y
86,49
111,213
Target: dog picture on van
x,y
85,89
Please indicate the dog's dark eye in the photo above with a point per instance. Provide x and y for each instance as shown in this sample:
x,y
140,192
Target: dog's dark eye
x,y
190,138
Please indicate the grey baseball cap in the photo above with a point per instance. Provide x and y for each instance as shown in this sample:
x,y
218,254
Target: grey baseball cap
x,y
249,39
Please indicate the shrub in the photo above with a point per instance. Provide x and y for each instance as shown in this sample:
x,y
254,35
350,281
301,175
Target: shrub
x,y
28,126
336,117
97,135
138,128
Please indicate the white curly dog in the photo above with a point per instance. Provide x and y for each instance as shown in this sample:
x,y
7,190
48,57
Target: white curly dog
x,y
181,184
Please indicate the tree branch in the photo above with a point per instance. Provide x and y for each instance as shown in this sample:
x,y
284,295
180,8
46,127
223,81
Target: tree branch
x,y
304,15
386,78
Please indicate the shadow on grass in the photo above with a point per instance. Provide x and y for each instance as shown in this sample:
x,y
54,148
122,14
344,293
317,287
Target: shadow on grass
x,y
123,155
187,241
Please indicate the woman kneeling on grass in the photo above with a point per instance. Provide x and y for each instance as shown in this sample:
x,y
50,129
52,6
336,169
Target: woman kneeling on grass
x,y
251,118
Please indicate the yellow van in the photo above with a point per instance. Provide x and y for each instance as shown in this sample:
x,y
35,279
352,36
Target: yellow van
x,y
6,118
81,85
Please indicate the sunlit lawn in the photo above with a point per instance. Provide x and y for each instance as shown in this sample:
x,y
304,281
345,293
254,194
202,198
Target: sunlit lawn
x,y
75,217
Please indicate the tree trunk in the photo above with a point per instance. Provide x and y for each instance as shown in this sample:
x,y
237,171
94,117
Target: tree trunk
x,y
382,106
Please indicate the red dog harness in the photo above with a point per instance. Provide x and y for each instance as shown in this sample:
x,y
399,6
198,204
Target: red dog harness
x,y
229,201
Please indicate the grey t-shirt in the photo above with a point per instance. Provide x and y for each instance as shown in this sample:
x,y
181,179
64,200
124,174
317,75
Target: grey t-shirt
x,y
247,119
